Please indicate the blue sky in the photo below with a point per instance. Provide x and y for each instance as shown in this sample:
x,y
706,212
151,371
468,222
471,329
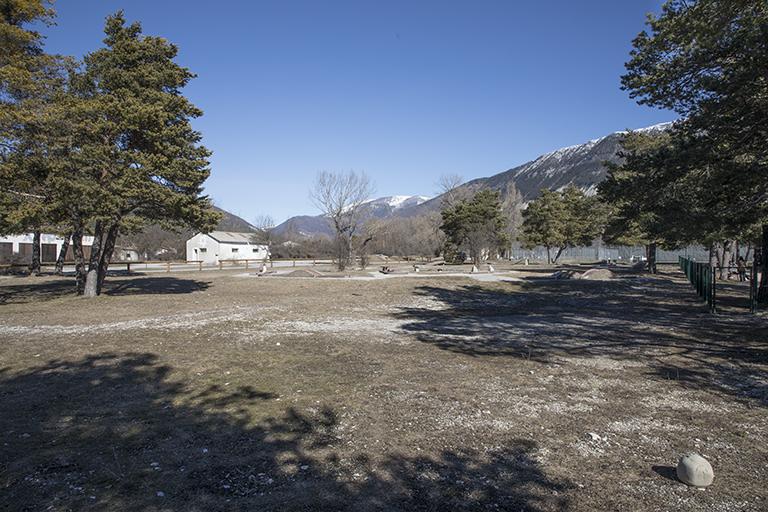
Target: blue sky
x,y
405,91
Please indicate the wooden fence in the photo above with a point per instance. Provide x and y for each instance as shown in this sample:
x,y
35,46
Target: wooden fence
x,y
169,265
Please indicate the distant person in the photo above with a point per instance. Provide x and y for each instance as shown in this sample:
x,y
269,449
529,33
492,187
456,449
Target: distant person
x,y
741,267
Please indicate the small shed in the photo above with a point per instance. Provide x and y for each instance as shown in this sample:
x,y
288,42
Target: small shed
x,y
225,245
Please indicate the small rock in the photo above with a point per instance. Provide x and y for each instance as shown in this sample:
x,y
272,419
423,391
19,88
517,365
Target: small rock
x,y
695,470
595,437
160,494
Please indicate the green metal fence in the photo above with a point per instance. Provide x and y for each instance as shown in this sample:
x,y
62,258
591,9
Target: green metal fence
x,y
702,277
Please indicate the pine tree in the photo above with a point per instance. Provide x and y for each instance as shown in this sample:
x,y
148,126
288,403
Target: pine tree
x,y
559,220
138,160
477,225
544,223
30,80
636,201
706,60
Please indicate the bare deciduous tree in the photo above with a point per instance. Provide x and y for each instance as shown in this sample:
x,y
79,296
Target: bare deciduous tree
x,y
264,225
371,230
449,186
340,197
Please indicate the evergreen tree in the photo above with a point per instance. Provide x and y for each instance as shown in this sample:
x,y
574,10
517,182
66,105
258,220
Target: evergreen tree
x,y
544,223
636,202
559,220
30,80
477,225
706,60
137,160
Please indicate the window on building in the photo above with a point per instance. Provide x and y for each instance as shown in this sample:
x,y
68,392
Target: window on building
x,y
255,249
234,250
203,249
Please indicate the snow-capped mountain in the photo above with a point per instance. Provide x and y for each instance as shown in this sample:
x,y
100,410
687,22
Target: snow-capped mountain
x,y
384,207
581,165
379,208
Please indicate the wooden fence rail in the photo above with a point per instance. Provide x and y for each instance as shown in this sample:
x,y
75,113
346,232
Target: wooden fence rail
x,y
169,265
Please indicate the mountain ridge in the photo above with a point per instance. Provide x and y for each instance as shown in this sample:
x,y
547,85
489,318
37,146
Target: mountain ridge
x,y
581,165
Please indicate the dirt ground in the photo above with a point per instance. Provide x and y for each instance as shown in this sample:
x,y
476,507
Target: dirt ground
x,y
224,391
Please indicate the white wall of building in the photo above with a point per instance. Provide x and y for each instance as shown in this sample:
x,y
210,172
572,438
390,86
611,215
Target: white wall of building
x,y
243,251
202,247
205,248
45,239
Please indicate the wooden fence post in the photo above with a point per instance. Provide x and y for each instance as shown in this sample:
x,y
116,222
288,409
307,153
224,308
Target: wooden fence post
x,y
168,266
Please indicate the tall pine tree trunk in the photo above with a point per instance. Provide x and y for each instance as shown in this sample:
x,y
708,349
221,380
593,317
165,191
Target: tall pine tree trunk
x,y
77,249
761,256
62,254
101,253
559,252
650,256
106,255
549,256
92,277
34,265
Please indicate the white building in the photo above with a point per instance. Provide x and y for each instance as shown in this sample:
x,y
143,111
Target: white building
x,y
18,248
224,245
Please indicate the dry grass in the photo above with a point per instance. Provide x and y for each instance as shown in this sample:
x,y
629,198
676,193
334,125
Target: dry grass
x,y
216,391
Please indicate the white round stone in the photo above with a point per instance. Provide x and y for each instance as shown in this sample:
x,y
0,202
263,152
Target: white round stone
x,y
695,470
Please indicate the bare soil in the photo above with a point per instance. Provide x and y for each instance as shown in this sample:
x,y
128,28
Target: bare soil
x,y
223,391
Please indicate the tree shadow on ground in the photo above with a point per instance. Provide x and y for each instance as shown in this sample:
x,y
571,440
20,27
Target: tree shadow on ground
x,y
115,432
154,285
653,320
49,289
732,297
12,292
